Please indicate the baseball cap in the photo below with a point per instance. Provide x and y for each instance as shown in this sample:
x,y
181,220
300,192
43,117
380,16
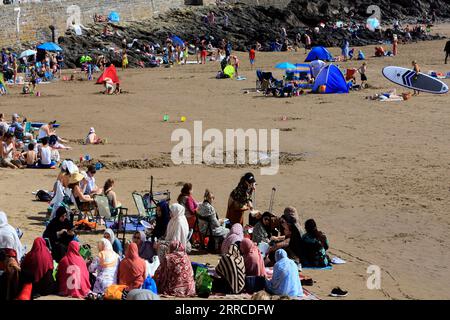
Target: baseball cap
x,y
249,177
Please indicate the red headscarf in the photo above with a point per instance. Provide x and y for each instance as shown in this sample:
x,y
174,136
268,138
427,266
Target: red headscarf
x,y
38,261
254,263
132,269
175,276
73,275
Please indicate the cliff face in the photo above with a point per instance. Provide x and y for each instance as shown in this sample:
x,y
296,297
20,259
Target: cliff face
x,y
248,24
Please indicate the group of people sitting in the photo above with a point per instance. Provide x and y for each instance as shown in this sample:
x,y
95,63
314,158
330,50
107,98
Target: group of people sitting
x,y
20,149
157,261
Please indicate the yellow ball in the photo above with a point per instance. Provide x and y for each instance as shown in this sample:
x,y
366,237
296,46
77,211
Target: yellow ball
x,y
183,119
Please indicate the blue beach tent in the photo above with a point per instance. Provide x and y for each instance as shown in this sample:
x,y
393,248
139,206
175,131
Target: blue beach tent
x,y
319,53
333,80
114,17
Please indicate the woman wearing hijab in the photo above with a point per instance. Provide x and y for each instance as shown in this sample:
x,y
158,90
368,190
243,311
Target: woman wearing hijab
x,y
236,235
73,275
254,263
60,233
9,238
105,265
175,276
116,244
162,219
285,279
9,279
178,228
231,269
145,247
132,269
38,266
314,247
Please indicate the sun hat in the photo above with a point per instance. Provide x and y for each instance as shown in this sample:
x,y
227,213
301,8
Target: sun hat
x,y
75,178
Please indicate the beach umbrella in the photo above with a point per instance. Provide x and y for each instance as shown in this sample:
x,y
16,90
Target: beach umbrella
x,y
177,41
229,71
49,46
286,65
27,53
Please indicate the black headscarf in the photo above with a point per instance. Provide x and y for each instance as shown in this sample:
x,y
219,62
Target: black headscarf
x,y
57,225
163,220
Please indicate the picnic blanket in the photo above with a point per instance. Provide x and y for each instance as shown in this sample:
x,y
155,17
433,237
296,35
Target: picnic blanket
x,y
132,225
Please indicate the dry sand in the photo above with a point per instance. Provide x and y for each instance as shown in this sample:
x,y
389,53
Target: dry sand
x,y
375,175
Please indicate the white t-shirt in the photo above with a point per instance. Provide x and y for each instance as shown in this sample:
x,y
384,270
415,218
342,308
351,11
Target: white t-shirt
x,y
42,133
46,155
90,185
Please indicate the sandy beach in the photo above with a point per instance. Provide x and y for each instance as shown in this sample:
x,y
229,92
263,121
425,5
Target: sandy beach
x,y
374,175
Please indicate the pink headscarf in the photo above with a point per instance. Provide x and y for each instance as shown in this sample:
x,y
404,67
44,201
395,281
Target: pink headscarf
x,y
236,234
254,263
73,275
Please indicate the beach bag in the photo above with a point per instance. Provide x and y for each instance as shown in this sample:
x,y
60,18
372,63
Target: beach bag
x,y
43,196
254,284
203,282
150,284
114,292
85,251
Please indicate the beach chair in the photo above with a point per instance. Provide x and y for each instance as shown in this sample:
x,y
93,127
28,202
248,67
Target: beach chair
x,y
146,213
102,207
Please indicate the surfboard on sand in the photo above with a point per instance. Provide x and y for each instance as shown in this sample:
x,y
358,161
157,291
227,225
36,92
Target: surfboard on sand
x,y
407,78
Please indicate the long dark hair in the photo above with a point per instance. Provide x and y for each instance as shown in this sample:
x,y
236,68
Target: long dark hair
x,y
108,184
311,228
185,191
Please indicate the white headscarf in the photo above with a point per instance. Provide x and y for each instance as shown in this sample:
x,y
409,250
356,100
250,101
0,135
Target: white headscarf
x,y
178,227
9,238
108,258
112,237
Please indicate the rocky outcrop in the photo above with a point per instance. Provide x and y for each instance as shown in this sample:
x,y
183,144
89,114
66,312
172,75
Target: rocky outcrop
x,y
248,24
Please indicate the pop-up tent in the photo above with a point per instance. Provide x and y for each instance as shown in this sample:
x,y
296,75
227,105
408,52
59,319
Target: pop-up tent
x,y
110,73
114,17
330,80
319,53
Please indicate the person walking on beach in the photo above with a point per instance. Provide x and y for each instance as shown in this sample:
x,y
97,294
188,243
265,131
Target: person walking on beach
x,y
252,56
447,51
307,43
416,70
394,44
362,70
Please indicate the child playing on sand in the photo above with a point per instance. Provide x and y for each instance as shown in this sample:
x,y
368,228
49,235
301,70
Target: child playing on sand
x,y
124,61
362,70
252,56
416,70
236,64
30,156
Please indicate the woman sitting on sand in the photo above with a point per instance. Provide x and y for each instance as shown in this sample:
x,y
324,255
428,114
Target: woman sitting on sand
x,y
162,220
175,276
209,219
38,266
254,263
114,204
293,235
235,236
116,244
177,230
231,270
72,270
60,232
92,137
9,238
285,279
10,278
145,248
106,265
132,269
314,247
262,232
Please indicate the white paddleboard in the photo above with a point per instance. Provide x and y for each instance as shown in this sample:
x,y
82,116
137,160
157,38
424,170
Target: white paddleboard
x,y
407,78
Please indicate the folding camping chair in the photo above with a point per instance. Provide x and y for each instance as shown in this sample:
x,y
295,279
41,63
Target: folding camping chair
x,y
144,213
212,243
